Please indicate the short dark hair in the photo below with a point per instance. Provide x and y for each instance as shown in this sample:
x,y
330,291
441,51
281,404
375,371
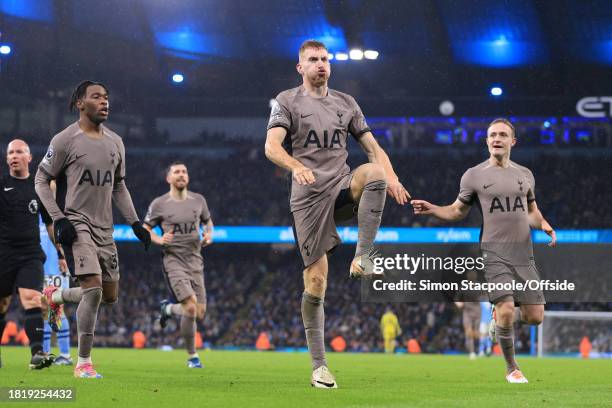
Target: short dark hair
x,y
80,91
505,122
174,163
311,44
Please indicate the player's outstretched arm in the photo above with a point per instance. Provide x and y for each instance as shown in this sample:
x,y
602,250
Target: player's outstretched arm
x,y
454,212
537,221
376,154
277,155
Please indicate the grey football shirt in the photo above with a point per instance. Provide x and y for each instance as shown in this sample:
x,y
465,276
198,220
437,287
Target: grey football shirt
x,y
86,170
317,134
181,217
503,195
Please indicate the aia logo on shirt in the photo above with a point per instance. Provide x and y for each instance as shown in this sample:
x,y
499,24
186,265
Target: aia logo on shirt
x,y
185,228
98,178
324,142
503,205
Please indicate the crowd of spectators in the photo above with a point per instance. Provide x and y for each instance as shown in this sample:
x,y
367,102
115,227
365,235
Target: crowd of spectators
x,y
254,289
244,188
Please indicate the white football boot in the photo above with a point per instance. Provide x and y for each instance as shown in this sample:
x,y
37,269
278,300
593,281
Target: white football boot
x,y
323,378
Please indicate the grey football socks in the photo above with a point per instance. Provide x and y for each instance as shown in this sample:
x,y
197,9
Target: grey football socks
x,y
369,214
87,313
505,338
69,295
188,330
313,317
469,344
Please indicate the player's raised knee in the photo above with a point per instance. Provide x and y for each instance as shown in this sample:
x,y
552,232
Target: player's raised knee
x,y
374,171
315,284
190,309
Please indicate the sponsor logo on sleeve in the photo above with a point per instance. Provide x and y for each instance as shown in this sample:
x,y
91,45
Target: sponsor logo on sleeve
x,y
276,113
50,153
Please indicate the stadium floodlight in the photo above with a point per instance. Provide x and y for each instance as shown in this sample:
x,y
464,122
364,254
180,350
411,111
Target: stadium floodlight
x,y
370,54
342,56
447,108
5,49
356,54
178,78
496,91
330,56
501,41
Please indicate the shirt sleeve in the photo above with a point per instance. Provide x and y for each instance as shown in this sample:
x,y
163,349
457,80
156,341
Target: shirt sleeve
x,y
45,194
280,116
358,125
154,216
467,193
205,214
123,201
120,170
531,191
56,157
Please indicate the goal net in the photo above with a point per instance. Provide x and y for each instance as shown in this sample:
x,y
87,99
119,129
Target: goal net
x,y
576,334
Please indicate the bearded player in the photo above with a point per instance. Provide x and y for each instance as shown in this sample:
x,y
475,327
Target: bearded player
x,y
307,135
180,214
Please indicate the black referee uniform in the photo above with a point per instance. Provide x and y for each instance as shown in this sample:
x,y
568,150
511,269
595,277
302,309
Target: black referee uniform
x,y
21,256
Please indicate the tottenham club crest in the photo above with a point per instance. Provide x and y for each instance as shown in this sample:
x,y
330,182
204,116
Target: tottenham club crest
x,y
33,206
520,183
82,261
114,262
340,114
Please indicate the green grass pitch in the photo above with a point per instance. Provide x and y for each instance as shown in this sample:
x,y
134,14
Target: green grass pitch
x,y
151,378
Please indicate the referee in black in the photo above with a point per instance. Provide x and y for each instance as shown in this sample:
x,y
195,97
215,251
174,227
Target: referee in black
x,y
21,256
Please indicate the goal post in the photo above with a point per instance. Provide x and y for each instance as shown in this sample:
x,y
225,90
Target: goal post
x,y
575,334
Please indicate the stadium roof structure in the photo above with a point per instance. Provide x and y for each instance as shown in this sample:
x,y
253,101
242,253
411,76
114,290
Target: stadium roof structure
x,y
241,49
